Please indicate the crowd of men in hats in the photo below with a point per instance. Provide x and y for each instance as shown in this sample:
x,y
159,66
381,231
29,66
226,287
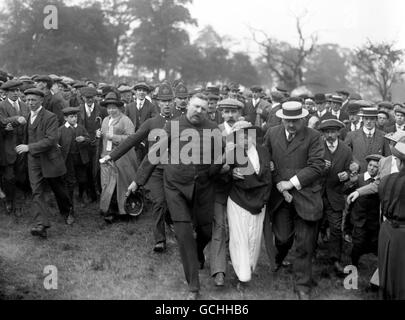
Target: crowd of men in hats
x,y
320,168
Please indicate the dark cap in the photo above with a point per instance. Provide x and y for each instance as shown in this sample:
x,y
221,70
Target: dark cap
x,y
34,91
70,110
88,92
331,124
112,98
319,98
374,157
142,85
11,84
256,89
79,84
385,105
43,78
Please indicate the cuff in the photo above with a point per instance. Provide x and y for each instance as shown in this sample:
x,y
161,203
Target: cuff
x,y
296,183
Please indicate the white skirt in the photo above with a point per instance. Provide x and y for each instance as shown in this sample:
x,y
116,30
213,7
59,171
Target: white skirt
x,y
245,234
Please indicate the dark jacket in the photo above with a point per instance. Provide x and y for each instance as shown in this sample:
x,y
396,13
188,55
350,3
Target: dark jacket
x,y
65,137
332,187
15,137
253,192
55,103
303,157
42,140
138,117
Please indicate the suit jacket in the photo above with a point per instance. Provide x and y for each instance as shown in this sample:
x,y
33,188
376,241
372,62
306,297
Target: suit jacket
x,y
251,115
65,137
98,112
326,116
332,187
138,117
44,143
272,120
55,103
342,116
13,138
357,141
384,169
303,157
253,192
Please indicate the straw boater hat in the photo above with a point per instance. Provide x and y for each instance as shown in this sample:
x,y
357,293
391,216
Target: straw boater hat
x,y
292,110
369,112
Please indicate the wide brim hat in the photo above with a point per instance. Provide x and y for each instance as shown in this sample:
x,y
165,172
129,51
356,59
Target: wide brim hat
x,y
398,108
11,84
292,110
181,91
142,85
395,136
335,99
368,112
399,150
111,98
230,104
331,124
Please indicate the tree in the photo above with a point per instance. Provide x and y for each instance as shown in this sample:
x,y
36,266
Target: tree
x,y
160,31
242,70
327,68
78,48
379,64
284,61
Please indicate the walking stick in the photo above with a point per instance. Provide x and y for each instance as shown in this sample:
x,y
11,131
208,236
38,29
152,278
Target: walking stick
x,y
98,142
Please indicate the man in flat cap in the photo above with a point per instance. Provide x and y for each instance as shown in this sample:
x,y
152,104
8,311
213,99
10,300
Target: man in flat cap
x,y
141,109
14,169
181,99
90,116
322,112
298,156
336,102
399,113
389,108
256,110
45,163
52,102
155,183
338,157
382,120
126,93
213,113
367,140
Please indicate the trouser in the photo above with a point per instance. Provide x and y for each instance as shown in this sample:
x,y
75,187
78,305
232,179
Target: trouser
x,y
192,250
159,207
347,223
38,186
365,240
93,174
9,182
76,174
218,241
334,219
287,224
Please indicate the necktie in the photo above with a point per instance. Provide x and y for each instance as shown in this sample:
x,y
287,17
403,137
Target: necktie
x,y
370,180
88,111
290,137
331,148
15,105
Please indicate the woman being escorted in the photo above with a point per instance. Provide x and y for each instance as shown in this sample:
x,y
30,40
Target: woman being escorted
x,y
117,176
251,186
391,242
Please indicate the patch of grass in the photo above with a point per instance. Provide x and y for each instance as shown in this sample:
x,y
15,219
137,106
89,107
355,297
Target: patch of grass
x,y
100,261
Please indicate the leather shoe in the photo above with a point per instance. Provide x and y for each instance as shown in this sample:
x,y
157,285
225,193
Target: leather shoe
x,y
193,295
219,279
279,265
160,247
39,231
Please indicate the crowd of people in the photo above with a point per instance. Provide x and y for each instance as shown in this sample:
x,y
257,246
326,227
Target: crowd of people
x,y
290,170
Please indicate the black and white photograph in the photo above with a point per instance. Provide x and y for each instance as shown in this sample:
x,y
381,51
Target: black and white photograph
x,y
209,150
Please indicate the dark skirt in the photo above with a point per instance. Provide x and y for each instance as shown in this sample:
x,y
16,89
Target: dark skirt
x,y
391,262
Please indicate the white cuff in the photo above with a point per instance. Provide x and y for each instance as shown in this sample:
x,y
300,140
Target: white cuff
x,y
296,183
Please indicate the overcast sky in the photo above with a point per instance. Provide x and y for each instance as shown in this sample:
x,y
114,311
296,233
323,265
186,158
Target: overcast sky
x,y
346,22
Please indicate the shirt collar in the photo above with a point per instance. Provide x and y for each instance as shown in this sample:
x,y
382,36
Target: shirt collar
x,y
334,144
11,101
322,113
366,176
287,133
67,125
35,113
400,127
366,131
89,107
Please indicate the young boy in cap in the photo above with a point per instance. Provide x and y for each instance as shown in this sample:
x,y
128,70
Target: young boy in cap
x,y
338,157
74,141
365,214
399,112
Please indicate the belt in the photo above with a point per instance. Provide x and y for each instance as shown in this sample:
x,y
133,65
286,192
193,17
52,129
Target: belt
x,y
396,224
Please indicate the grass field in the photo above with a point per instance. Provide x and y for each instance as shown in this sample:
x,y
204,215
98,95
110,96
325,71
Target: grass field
x,y
99,261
